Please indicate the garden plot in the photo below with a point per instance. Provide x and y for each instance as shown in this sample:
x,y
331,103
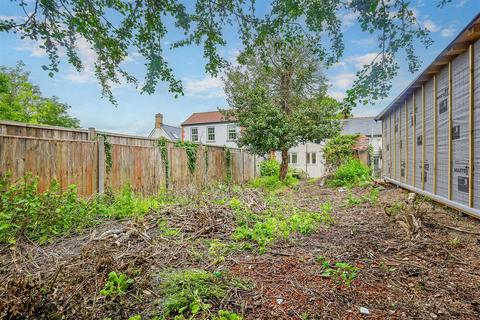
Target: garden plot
x,y
308,252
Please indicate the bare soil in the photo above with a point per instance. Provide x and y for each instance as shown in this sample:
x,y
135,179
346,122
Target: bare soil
x,y
435,276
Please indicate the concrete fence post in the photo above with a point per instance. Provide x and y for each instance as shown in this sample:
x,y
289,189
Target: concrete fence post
x,y
101,164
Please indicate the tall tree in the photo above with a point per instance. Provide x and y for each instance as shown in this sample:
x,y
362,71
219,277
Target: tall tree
x,y
20,100
113,28
280,101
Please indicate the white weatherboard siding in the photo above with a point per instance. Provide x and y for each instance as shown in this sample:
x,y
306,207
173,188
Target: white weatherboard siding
x,y
221,134
313,170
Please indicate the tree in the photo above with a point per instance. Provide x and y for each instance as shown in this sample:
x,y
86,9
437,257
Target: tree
x,y
114,28
20,100
280,102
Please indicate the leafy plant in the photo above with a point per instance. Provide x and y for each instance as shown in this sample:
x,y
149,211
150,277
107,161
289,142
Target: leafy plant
x,y
117,284
190,292
191,150
227,315
41,216
273,183
262,230
108,152
342,271
228,164
163,147
395,208
269,168
339,150
352,173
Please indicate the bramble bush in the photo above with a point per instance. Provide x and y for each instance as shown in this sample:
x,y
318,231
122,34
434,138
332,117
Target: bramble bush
x,y
339,150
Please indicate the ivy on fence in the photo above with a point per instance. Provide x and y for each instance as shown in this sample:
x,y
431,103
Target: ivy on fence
x,y
163,147
191,150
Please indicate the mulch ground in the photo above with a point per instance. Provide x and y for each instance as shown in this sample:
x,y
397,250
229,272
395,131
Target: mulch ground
x,y
435,276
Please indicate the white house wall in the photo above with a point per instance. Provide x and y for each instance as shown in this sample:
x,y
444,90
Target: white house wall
x,y
221,134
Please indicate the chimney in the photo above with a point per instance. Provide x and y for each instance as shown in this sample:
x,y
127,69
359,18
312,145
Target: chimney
x,y
158,120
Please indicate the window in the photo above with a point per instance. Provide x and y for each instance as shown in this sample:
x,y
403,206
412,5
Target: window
x,y
231,133
311,158
194,134
211,134
292,158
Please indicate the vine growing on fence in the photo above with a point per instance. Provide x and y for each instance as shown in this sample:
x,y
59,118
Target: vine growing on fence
x,y
205,154
191,149
162,146
228,164
108,153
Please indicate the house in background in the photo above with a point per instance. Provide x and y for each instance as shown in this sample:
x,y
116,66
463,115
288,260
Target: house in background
x,y
172,133
309,156
210,128
372,129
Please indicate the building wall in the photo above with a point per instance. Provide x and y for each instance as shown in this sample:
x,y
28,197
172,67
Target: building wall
x,y
220,134
435,116
158,133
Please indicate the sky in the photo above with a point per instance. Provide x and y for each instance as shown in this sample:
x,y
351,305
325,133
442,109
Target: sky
x,y
135,112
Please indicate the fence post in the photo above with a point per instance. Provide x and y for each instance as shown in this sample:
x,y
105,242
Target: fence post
x,y
243,165
101,164
91,134
3,129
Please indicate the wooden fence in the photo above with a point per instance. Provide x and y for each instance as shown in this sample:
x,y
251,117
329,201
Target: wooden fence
x,y
82,157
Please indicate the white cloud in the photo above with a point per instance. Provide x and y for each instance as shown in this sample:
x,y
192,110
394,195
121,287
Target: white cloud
x,y
33,47
366,42
361,60
207,87
88,58
461,3
448,32
342,81
430,25
349,18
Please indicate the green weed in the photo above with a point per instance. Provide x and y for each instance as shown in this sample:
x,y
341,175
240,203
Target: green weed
x,y
41,216
342,271
269,168
395,208
278,222
190,292
273,183
116,284
352,173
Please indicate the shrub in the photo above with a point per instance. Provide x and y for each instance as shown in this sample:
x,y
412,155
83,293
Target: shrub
x,y
39,216
269,168
339,150
189,292
352,173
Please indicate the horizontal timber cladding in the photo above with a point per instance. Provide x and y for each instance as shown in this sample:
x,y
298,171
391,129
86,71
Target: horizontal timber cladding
x,y
434,127
476,122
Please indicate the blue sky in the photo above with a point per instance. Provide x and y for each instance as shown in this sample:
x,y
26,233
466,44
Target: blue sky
x,y
135,112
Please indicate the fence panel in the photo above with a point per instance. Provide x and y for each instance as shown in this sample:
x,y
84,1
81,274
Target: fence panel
x,y
67,161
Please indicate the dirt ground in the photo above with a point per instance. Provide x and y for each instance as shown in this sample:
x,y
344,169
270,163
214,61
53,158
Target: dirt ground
x,y
434,276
